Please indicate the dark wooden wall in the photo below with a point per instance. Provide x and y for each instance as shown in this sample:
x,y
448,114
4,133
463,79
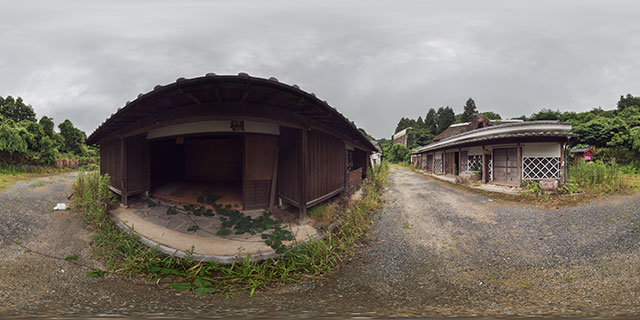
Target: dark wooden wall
x,y
326,164
289,164
137,164
260,157
216,159
111,162
360,160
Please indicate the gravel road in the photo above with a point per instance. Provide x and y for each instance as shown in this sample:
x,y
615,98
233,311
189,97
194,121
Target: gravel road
x,y
434,250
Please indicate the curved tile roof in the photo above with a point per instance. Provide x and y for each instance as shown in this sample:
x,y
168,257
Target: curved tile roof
x,y
241,88
504,131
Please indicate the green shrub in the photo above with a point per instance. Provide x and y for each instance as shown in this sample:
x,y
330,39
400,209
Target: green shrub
x,y
398,153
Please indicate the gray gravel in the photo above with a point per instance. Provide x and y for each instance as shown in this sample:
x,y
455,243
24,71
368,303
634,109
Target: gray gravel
x,y
434,250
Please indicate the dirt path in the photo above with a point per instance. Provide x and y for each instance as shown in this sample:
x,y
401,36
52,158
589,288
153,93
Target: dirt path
x,y
434,250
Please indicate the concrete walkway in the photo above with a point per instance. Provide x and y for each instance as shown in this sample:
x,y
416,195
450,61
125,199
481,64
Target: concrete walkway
x,y
183,234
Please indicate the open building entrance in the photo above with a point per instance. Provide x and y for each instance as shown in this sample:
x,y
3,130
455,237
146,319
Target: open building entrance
x,y
182,168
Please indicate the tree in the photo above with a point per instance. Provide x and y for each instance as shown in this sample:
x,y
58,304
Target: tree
x,y
73,138
398,153
445,117
546,114
36,133
419,122
49,152
602,132
430,121
12,143
469,111
16,110
492,115
635,139
47,125
404,123
628,101
419,137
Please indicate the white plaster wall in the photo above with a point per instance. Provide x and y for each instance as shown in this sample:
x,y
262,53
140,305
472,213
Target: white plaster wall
x,y
475,151
212,126
437,155
541,149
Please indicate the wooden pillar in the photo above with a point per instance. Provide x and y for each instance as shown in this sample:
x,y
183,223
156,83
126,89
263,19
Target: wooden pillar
x,y
484,166
147,145
123,167
519,156
303,174
459,161
562,164
444,162
274,179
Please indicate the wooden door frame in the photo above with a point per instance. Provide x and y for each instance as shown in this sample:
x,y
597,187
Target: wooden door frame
x,y
493,157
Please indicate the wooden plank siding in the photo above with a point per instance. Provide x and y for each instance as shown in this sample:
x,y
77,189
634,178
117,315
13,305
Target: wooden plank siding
x,y
137,164
288,165
326,165
260,156
110,155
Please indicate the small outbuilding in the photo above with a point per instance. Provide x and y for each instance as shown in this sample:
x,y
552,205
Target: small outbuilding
x,y
586,153
256,142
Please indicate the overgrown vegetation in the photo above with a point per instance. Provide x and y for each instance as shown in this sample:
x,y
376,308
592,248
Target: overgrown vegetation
x,y
121,252
25,141
599,176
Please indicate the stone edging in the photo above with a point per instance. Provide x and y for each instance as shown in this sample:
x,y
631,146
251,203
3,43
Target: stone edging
x,y
208,258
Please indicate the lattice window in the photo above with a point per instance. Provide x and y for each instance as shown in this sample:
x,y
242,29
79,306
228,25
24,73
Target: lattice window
x,y
536,168
437,165
475,161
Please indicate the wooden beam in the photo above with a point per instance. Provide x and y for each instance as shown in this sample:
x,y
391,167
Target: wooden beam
x,y
274,179
325,197
147,145
203,112
192,98
459,161
444,162
562,164
519,163
303,174
245,94
484,166
123,165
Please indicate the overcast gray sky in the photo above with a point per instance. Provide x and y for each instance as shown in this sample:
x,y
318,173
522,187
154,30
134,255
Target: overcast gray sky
x,y
375,61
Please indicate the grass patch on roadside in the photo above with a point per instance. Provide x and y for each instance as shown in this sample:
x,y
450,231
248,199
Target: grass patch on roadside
x,y
121,252
10,174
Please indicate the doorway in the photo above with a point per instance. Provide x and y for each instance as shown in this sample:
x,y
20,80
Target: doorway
x,y
182,168
505,166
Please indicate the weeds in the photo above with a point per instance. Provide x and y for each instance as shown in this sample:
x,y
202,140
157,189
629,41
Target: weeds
x,y
600,177
121,252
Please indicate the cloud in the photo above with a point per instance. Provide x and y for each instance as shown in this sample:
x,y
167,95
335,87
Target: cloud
x,y
374,61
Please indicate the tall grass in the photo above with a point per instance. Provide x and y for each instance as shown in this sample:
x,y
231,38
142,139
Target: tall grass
x,y
598,176
122,252
118,250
